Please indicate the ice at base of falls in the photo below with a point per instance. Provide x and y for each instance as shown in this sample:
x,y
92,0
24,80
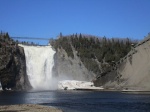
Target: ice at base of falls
x,y
75,85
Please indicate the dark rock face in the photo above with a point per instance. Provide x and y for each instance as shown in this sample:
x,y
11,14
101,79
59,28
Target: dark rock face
x,y
22,82
12,65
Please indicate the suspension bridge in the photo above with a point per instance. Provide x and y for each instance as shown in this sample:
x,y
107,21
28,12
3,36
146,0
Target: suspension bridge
x,y
31,38
35,40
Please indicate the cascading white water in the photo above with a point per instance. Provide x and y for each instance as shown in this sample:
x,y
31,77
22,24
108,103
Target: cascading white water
x,y
39,64
0,86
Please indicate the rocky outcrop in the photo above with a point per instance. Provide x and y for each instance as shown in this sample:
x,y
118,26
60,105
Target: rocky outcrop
x,y
12,65
22,82
132,72
67,68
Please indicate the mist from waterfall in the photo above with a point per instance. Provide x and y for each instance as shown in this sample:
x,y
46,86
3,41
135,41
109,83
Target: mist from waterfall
x,y
39,65
0,86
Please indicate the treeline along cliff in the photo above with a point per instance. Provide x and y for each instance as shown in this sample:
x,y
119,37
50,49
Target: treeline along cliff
x,y
111,62
131,72
94,53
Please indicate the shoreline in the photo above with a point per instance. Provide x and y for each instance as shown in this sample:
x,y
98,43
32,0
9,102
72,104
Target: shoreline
x,y
28,108
98,90
86,89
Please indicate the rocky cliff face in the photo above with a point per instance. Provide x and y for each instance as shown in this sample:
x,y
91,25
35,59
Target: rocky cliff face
x,y
133,71
12,65
82,57
71,68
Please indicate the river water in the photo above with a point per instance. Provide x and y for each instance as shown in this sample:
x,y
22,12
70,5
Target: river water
x,y
81,101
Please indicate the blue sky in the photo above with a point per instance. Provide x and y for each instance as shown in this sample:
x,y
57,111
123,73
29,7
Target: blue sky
x,y
47,18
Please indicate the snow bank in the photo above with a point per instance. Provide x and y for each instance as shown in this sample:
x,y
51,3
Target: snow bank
x,y
76,85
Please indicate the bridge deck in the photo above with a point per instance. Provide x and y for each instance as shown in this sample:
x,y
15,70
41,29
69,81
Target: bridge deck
x,y
33,38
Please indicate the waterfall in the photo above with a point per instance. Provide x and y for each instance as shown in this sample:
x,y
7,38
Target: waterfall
x,y
0,86
39,64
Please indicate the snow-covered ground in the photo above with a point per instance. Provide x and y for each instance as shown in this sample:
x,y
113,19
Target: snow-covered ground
x,y
75,85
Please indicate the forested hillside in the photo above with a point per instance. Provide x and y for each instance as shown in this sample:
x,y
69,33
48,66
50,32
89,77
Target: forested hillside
x,y
97,54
